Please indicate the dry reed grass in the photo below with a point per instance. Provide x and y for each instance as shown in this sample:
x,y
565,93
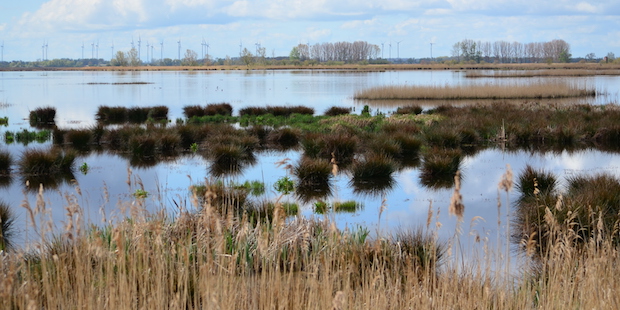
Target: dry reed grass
x,y
536,73
214,259
484,91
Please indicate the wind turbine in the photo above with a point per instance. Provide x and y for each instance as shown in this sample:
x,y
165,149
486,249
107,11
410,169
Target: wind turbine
x,y
240,46
139,47
161,58
432,51
382,50
390,45
179,42
82,49
147,50
132,45
398,49
97,49
46,55
112,47
92,50
152,49
2,54
202,50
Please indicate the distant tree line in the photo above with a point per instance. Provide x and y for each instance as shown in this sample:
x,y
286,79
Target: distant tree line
x,y
348,52
511,52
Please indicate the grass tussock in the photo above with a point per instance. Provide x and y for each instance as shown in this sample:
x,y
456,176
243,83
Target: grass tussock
x,y
373,174
37,162
7,227
586,210
484,91
211,109
136,115
276,111
6,161
335,111
43,117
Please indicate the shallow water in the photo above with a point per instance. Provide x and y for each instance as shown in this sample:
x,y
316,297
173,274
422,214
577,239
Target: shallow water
x,y
106,188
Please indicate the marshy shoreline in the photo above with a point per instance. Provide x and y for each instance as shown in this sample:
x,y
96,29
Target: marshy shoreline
x,y
224,250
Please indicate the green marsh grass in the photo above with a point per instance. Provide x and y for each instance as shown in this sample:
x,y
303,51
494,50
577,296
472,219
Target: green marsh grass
x,y
349,206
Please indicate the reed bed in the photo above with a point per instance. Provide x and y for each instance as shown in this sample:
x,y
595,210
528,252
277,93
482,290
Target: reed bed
x,y
216,257
541,73
484,91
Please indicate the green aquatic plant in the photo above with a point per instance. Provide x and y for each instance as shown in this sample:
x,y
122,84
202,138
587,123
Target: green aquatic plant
x,y
84,168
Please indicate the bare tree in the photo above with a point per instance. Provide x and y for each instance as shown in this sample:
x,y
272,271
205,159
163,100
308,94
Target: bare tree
x,y
190,58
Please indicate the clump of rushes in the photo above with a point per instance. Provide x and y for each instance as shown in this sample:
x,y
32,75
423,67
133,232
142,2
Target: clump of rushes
x,y
284,138
46,162
157,113
169,143
587,210
334,111
218,109
230,159
143,145
439,166
5,163
43,117
137,115
339,146
7,227
261,133
276,111
313,179
373,174
79,139
412,109
111,115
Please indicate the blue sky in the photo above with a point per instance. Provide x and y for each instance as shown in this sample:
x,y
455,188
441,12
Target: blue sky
x,y
278,25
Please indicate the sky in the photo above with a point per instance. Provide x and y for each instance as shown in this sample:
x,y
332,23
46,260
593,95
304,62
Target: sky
x,y
403,28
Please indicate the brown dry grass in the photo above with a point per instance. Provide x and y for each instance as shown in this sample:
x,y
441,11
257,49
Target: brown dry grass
x,y
484,91
536,73
209,260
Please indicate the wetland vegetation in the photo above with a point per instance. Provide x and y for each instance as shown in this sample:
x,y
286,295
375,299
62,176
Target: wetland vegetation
x,y
229,247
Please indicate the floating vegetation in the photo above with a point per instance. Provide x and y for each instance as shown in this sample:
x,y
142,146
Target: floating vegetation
x,y
4,121
349,206
6,161
26,137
